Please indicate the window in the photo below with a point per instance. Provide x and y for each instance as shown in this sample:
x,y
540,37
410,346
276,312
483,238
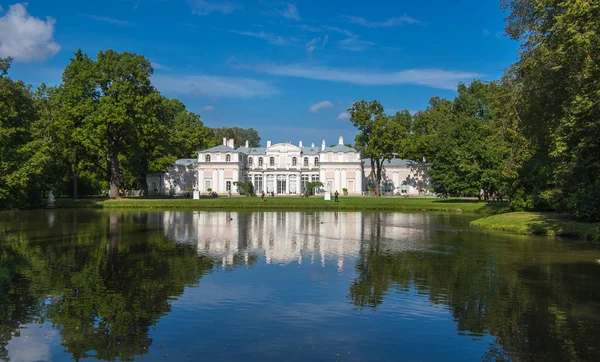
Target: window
x,y
228,185
154,188
272,161
228,158
206,184
260,161
207,158
316,161
250,161
305,161
329,157
350,157
293,161
258,183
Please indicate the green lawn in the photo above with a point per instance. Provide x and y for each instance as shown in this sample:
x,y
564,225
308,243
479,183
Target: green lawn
x,y
539,223
293,203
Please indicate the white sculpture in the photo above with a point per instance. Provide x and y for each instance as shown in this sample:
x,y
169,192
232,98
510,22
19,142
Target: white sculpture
x,y
50,200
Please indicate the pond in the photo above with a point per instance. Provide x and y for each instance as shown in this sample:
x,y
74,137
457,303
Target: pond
x,y
293,286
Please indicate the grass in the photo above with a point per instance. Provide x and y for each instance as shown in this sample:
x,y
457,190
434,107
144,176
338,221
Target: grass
x,y
291,203
550,224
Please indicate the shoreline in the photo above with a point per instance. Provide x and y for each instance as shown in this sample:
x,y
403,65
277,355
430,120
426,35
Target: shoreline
x,y
539,223
292,204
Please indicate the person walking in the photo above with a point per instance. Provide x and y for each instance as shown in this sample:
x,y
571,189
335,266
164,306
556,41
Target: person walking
x,y
262,196
336,195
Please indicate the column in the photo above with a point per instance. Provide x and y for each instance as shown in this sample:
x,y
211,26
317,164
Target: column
x,y
287,183
222,180
200,179
359,180
344,181
215,179
336,181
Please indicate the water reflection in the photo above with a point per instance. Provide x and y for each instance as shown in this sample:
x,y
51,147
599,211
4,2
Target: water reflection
x,y
289,285
285,237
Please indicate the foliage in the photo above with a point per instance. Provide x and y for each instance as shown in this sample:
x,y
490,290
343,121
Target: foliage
x,y
310,187
245,187
239,135
380,136
555,103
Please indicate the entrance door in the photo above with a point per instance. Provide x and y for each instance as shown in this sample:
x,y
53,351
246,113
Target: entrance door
x,y
281,184
351,186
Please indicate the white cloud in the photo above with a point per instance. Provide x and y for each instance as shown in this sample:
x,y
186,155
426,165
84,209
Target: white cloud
x,y
325,39
206,85
344,116
338,30
290,12
270,38
26,38
435,78
395,21
354,44
310,46
108,20
321,105
158,66
208,108
203,7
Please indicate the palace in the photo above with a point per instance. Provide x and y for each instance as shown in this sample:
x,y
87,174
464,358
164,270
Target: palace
x,y
284,169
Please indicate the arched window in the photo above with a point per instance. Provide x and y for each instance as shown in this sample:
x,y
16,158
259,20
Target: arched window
x,y
250,161
316,161
272,161
260,161
294,161
306,161
207,158
228,158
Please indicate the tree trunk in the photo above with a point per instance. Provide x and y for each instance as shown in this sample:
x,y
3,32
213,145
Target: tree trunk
x,y
376,168
115,174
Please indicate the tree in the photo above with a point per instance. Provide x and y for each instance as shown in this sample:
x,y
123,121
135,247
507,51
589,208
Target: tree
x,y
18,185
311,186
557,108
464,159
381,136
239,135
116,100
426,125
245,187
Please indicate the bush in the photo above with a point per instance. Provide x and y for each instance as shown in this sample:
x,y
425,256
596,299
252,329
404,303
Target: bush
x,y
585,203
209,190
521,201
345,191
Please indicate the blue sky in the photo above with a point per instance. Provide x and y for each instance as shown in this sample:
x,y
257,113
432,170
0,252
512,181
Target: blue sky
x,y
288,69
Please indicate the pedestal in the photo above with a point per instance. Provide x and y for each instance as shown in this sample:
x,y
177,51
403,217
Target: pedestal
x,y
327,196
196,195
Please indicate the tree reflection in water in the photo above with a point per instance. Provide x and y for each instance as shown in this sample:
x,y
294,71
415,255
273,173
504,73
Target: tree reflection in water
x,y
103,279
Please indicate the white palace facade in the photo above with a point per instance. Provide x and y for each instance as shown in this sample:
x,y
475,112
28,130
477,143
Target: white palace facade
x,y
280,168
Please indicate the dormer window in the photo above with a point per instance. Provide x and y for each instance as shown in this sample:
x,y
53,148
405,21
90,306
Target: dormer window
x,y
250,161
207,158
272,161
260,161
228,158
294,161
316,161
305,161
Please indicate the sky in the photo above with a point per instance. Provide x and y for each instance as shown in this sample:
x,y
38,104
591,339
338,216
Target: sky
x,y
288,69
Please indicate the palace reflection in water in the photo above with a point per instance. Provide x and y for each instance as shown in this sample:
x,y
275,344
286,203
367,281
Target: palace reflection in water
x,y
284,237
298,286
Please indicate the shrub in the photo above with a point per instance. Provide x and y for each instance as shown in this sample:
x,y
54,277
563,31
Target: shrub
x,y
345,191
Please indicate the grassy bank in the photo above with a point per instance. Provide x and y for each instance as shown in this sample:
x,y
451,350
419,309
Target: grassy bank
x,y
539,223
292,203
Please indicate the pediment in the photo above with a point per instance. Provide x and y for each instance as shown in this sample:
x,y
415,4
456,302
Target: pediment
x,y
283,148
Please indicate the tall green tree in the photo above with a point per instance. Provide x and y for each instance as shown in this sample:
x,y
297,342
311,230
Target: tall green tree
x,y
115,99
380,136
426,125
464,161
18,185
558,77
